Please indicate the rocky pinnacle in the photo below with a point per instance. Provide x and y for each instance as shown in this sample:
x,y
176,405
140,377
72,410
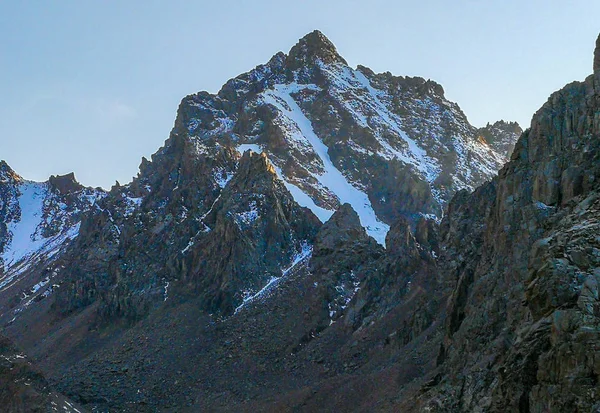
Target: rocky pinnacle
x,y
314,45
597,56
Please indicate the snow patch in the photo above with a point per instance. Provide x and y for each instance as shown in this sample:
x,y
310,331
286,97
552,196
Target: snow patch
x,y
166,293
222,177
303,199
132,204
24,237
304,253
248,217
47,249
332,179
249,147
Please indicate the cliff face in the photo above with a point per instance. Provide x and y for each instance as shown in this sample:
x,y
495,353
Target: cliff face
x,y
597,55
523,251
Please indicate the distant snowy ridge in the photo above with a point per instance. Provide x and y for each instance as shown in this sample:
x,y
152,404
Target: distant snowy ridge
x,y
38,222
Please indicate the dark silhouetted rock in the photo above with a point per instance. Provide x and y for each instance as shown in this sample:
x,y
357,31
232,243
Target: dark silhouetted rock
x,y
65,183
597,55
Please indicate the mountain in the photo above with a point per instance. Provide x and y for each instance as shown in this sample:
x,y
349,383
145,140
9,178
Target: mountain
x,y
36,218
388,145
313,230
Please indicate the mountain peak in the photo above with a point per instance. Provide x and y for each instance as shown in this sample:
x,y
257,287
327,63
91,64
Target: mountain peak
x,y
597,55
7,173
501,135
4,166
507,126
311,47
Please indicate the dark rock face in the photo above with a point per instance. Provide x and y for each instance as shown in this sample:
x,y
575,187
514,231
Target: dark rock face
x,y
65,184
597,55
255,230
342,254
312,48
225,228
524,260
401,284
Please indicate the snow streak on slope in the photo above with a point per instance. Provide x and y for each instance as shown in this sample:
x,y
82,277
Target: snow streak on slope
x,y
301,129
364,102
26,244
249,296
24,240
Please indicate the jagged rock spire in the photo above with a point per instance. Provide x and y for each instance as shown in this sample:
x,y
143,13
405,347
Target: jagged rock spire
x,y
65,184
597,55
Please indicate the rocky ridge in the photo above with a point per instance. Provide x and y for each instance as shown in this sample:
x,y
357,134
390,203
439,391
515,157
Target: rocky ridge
x,y
521,321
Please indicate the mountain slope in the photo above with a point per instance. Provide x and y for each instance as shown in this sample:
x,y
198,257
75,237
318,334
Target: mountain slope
x,y
23,388
37,221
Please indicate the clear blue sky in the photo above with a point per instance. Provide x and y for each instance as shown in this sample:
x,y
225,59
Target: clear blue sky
x,y
92,86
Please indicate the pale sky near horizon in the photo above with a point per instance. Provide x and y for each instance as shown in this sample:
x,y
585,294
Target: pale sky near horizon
x,y
93,86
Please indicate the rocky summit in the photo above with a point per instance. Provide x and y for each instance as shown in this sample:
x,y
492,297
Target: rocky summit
x,y
316,237
501,136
